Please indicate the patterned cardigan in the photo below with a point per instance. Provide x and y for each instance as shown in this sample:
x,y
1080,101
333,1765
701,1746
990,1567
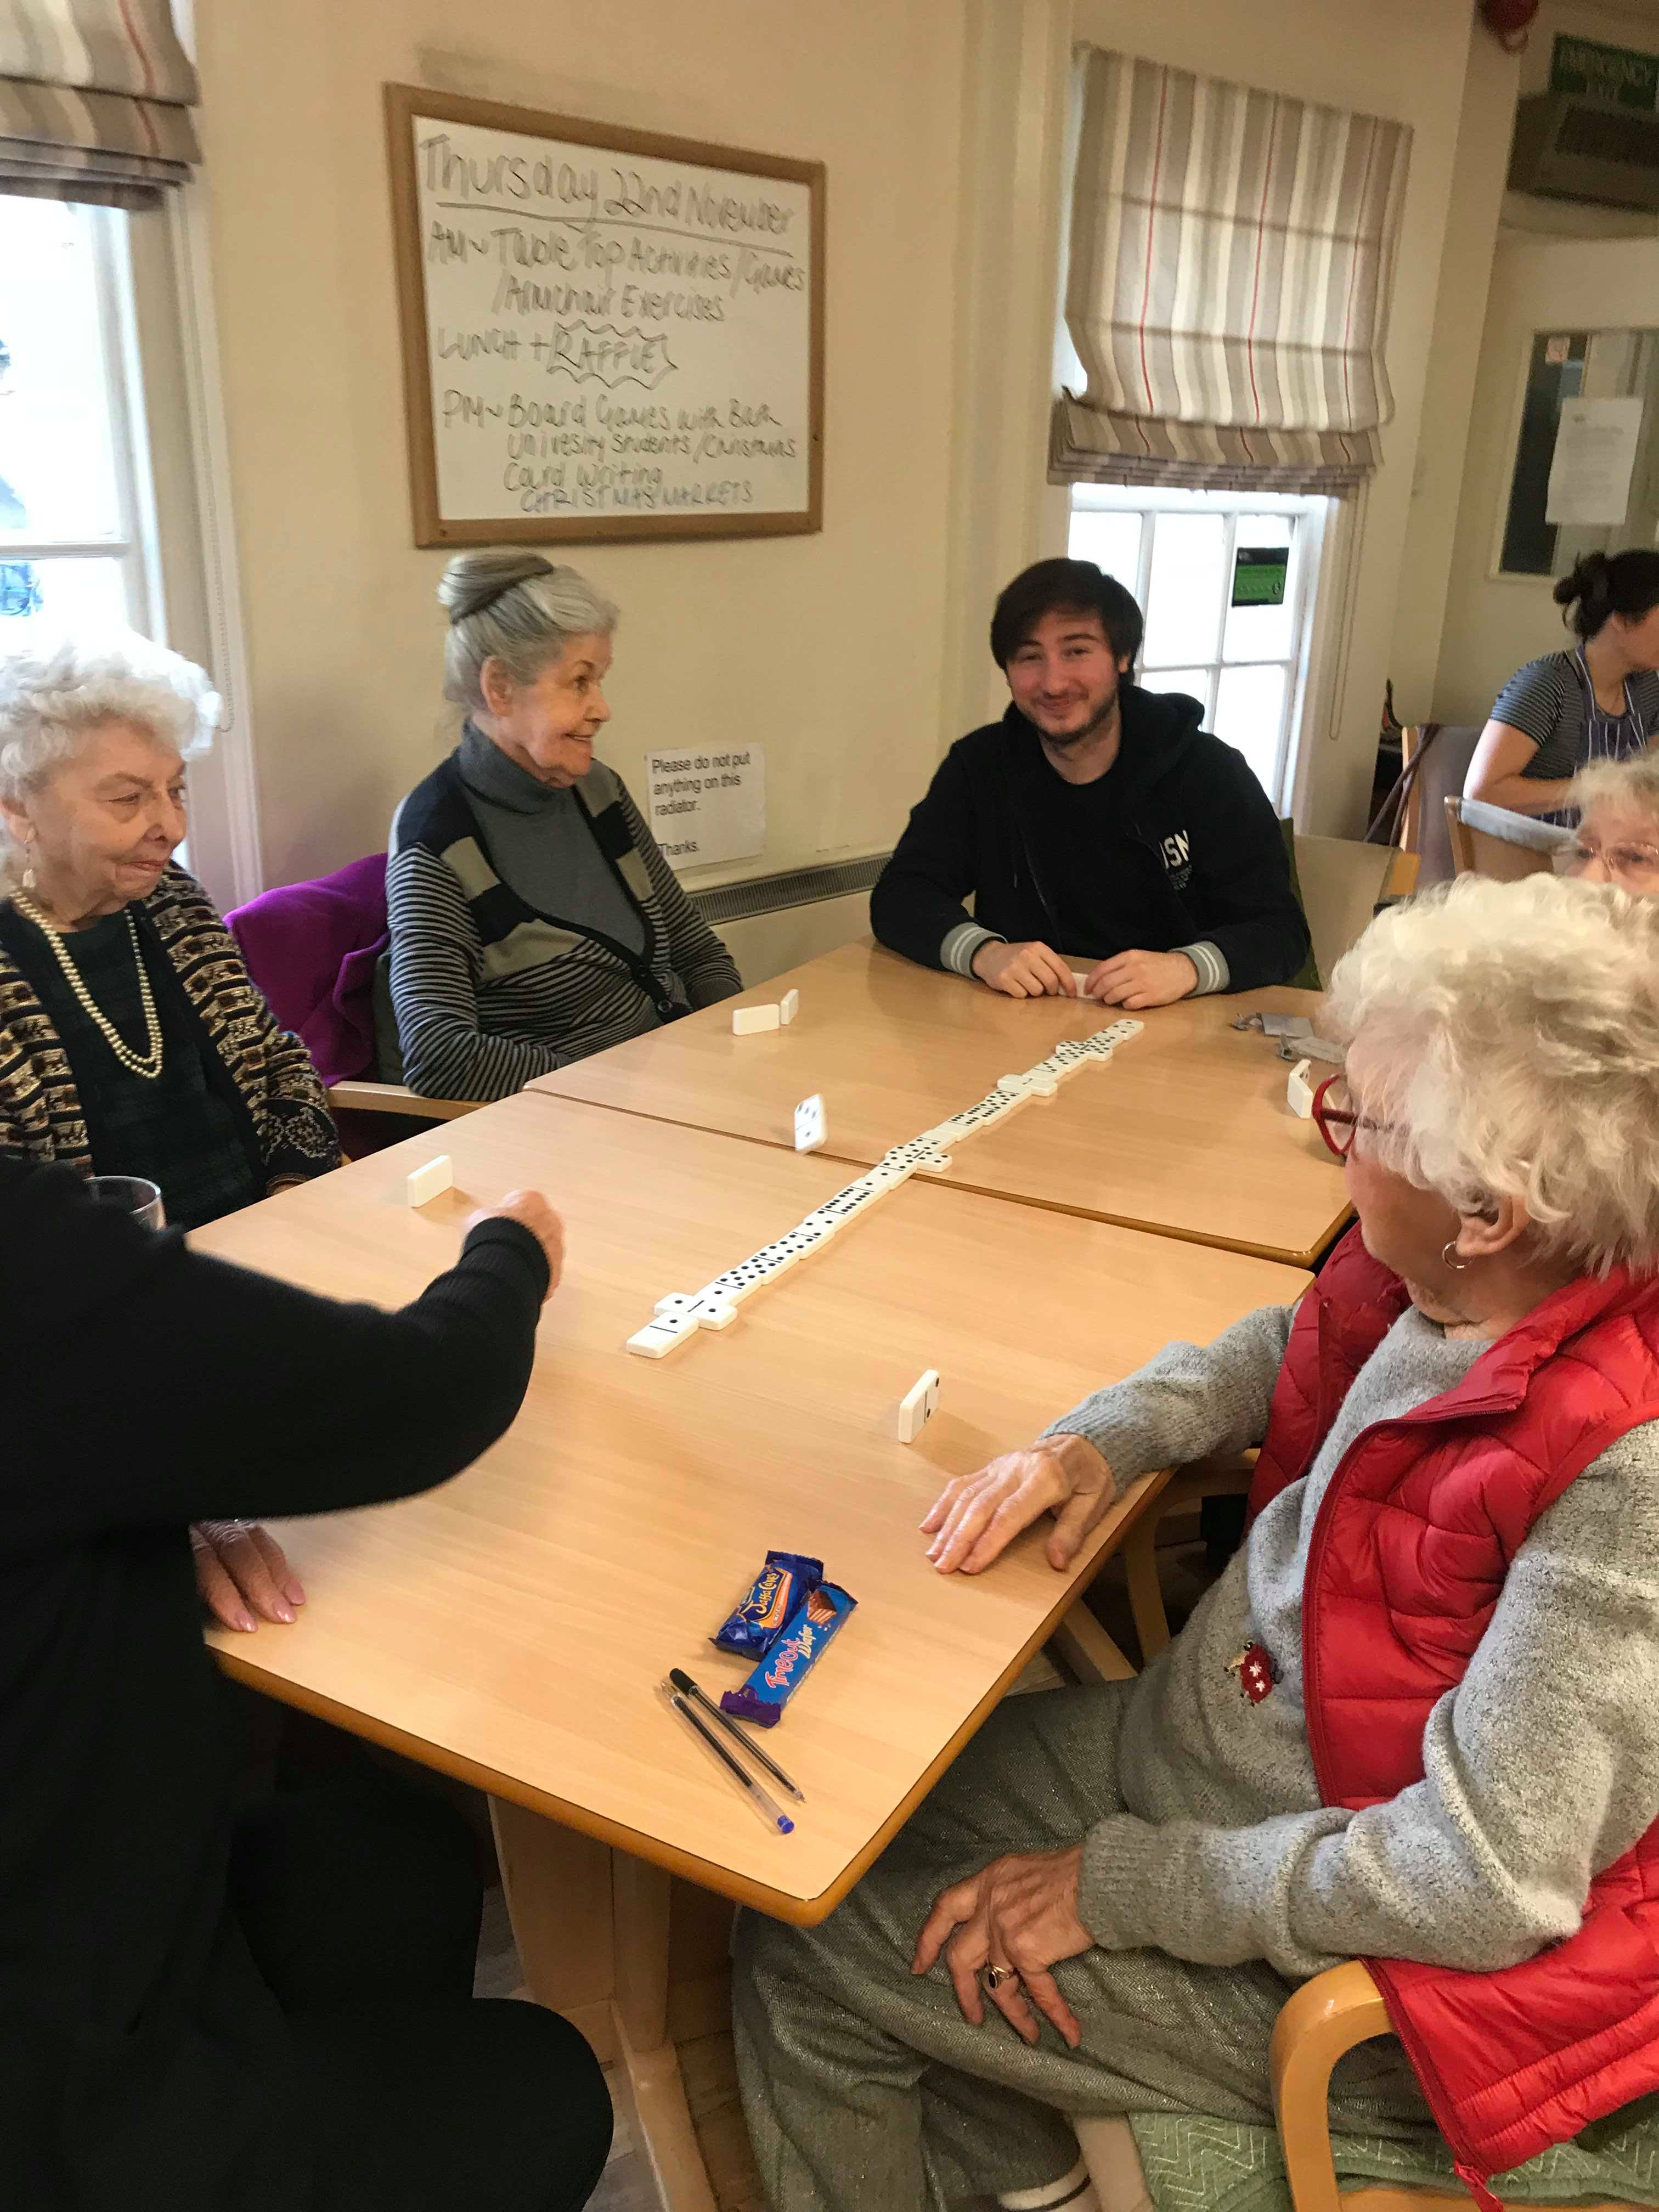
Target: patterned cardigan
x,y
40,1110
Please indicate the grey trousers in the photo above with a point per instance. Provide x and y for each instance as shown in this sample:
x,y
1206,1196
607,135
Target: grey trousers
x,y
865,2087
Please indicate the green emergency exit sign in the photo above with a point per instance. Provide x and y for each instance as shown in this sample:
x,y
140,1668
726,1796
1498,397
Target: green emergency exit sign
x,y
1618,76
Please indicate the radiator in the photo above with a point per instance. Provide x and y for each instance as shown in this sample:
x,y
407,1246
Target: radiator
x,y
770,923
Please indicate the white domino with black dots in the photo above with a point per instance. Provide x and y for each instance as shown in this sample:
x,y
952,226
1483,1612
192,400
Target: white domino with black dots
x,y
682,1314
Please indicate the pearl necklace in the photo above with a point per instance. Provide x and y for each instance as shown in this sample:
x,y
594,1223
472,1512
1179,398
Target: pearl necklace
x,y
146,1064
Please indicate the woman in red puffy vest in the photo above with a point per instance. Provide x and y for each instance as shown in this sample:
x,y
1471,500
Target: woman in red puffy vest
x,y
1417,1719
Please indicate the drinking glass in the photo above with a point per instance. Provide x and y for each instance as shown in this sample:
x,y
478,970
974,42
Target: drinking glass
x,y
134,1193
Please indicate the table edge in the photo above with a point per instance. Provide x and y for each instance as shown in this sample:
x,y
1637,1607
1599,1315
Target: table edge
x,y
958,1179
778,1905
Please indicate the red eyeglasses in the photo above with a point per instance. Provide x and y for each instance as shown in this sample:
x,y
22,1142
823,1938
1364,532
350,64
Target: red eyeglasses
x,y
1334,1116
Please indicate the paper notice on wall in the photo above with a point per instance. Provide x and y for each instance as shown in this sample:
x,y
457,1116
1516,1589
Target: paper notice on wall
x,y
1595,454
705,805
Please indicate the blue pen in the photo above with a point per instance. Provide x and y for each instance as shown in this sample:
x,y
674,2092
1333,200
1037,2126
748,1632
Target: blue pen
x,y
773,1815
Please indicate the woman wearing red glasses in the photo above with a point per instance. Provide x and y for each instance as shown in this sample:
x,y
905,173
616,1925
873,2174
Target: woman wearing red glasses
x,y
1417,1719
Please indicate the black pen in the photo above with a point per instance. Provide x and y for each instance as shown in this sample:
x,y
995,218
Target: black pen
x,y
771,1814
682,1681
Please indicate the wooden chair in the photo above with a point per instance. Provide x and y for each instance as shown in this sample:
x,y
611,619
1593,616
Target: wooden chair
x,y
1434,758
1491,841
397,1099
1325,2018
1189,1486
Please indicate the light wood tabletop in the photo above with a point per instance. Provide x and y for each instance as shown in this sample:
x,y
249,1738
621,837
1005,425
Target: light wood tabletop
x,y
511,1626
1185,1132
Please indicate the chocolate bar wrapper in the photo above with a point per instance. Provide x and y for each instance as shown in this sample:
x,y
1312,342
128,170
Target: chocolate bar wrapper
x,y
774,1594
792,1658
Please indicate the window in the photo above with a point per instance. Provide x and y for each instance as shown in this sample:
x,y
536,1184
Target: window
x,y
1227,581
74,474
108,354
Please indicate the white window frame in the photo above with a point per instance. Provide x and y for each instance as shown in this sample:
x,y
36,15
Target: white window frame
x,y
177,555
1312,541
132,545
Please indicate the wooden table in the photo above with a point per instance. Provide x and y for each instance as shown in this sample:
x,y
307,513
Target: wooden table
x,y
510,1628
1186,1132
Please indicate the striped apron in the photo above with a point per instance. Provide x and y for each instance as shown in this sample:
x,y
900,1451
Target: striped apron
x,y
1606,737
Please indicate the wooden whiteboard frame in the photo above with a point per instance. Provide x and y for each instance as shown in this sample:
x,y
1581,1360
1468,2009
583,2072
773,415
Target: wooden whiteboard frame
x,y
403,102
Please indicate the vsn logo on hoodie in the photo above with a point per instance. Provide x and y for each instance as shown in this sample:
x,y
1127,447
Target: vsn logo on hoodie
x,y
1177,852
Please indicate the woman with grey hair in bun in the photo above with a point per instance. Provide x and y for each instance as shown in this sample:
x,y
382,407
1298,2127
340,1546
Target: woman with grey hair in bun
x,y
534,919
133,1041
1415,1722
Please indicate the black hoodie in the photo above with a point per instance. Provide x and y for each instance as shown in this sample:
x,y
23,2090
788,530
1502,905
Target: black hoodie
x,y
1175,849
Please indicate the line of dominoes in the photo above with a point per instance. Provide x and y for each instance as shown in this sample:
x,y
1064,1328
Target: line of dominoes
x,y
680,1315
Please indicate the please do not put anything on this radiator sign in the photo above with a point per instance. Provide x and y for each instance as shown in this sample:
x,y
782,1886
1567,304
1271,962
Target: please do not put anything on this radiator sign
x,y
706,805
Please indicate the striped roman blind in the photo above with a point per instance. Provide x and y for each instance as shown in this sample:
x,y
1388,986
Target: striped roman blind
x,y
95,100
1227,292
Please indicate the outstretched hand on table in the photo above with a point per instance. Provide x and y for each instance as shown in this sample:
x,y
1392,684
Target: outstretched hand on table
x,y
976,1517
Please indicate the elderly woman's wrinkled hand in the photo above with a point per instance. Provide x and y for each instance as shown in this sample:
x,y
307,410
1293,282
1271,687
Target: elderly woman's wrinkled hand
x,y
241,1572
976,1517
1020,1914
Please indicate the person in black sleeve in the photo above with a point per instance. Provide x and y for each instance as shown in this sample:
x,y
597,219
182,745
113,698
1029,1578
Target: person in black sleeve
x,y
199,2010
1096,820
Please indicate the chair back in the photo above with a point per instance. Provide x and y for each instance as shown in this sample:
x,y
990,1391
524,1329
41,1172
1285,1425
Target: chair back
x,y
1491,841
311,948
1435,757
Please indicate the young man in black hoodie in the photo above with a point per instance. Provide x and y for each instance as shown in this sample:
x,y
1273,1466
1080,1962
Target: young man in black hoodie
x,y
1096,821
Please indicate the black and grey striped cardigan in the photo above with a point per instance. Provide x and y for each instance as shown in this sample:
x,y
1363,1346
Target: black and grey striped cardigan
x,y
278,1089
488,991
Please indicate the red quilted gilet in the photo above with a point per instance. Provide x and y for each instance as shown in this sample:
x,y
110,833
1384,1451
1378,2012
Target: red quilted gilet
x,y
1413,1539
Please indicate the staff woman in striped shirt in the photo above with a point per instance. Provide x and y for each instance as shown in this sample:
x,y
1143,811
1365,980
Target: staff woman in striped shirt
x,y
534,919
1597,702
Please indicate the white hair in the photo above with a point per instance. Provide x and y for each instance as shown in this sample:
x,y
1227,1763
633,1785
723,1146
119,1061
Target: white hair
x,y
54,695
512,606
1626,787
1512,1035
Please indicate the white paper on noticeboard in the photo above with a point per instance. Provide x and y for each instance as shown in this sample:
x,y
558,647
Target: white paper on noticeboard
x,y
1595,454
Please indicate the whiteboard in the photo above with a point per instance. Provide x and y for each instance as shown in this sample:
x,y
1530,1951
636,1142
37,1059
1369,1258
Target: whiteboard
x,y
606,333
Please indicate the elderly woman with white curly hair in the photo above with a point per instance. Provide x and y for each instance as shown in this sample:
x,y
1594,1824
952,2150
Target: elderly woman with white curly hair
x,y
133,1042
1416,1720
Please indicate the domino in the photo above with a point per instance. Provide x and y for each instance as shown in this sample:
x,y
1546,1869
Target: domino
x,y
1299,1090
431,1180
681,1313
917,1406
810,1126
660,1337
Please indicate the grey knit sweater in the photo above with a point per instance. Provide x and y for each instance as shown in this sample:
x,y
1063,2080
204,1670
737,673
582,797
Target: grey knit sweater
x,y
1541,1768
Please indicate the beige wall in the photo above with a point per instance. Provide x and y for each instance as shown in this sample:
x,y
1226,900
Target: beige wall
x,y
854,655
826,647
1494,623
1485,129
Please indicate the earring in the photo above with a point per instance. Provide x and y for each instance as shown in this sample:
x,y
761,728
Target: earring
x,y
1446,1259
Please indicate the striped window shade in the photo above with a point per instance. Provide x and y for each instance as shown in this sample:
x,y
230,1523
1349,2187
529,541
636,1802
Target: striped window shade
x,y
96,100
1227,294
